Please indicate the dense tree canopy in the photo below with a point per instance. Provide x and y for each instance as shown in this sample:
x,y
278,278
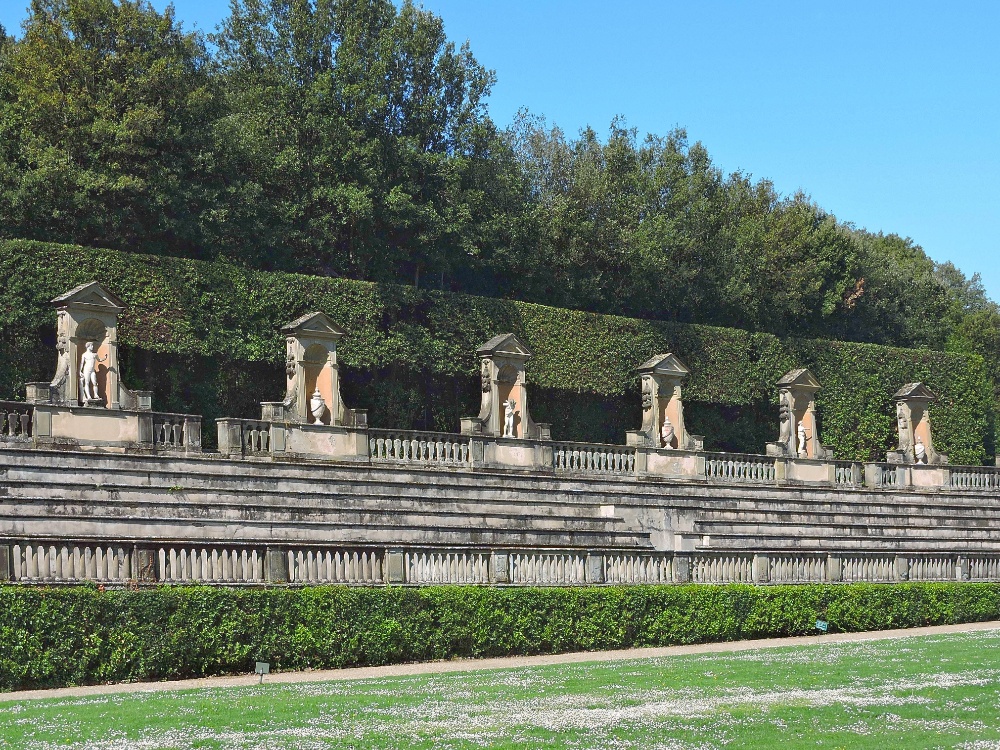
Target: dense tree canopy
x,y
351,138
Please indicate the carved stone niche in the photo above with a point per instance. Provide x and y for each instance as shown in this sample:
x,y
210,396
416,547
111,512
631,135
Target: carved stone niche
x,y
662,407
502,379
312,376
913,427
88,314
798,435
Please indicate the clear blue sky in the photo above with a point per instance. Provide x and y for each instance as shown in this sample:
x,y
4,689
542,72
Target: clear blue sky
x,y
886,113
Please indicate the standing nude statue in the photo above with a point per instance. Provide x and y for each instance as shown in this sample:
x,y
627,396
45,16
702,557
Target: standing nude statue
x,y
803,451
88,373
508,417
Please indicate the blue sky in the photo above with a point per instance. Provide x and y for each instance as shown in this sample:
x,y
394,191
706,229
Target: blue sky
x,y
886,113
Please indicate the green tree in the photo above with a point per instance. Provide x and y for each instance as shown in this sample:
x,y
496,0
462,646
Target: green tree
x,y
105,127
357,132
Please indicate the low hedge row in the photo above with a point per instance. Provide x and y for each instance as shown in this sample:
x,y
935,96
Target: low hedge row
x,y
69,636
205,338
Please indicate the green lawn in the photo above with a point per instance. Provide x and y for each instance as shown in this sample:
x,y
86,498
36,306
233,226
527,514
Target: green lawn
x,y
930,692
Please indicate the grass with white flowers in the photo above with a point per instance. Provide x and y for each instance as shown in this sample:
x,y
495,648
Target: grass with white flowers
x,y
922,692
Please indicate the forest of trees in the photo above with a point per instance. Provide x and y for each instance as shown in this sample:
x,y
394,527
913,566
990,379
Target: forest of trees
x,y
351,138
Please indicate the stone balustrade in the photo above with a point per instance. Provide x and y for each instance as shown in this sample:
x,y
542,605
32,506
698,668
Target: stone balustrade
x,y
548,568
721,568
848,473
42,562
176,432
974,478
351,566
586,458
797,568
59,562
872,568
739,467
638,568
15,421
405,446
199,564
433,567
885,475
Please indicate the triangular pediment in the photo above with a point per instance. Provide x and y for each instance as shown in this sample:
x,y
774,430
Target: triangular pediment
x,y
800,378
664,364
506,344
317,324
914,391
93,294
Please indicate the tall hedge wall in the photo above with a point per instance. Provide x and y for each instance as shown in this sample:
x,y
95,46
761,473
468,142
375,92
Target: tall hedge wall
x,y
68,636
205,338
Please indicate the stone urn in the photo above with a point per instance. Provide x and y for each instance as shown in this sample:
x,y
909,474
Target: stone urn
x,y
317,406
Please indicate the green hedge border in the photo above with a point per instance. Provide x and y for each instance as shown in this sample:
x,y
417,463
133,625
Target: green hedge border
x,y
51,637
198,330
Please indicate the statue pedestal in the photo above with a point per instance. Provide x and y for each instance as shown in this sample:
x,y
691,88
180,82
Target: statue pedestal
x,y
115,430
666,462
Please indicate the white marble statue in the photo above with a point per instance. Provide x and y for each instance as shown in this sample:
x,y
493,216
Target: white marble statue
x,y
317,406
667,433
919,451
508,418
803,450
88,373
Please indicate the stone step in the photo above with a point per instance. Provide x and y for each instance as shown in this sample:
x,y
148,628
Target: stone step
x,y
111,510
387,532
126,495
912,527
857,516
872,544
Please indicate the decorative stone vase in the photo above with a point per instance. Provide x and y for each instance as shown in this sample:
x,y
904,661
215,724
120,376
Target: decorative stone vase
x,y
317,406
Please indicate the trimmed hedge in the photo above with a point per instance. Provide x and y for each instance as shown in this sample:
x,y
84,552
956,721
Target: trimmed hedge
x,y
205,338
52,637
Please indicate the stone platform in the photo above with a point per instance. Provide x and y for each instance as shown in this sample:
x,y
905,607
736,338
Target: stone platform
x,y
70,516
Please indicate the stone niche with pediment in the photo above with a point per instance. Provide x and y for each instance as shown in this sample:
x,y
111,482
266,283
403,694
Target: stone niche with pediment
x,y
798,426
88,314
312,376
89,408
312,420
503,410
913,427
663,427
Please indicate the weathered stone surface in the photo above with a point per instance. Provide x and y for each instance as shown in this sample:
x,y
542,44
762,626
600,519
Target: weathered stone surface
x,y
395,572
276,565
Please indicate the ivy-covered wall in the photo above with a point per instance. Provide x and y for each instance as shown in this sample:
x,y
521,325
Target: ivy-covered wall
x,y
205,338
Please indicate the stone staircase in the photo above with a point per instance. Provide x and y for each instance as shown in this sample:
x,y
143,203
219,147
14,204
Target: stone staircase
x,y
78,496
862,520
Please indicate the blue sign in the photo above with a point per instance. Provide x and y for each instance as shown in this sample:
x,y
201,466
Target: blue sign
x,y
822,625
